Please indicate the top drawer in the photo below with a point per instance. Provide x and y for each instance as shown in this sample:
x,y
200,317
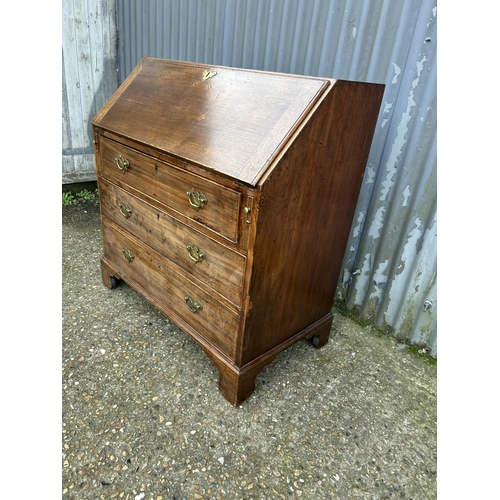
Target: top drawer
x,y
202,200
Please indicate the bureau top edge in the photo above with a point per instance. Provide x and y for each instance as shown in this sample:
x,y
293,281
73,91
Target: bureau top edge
x,y
230,120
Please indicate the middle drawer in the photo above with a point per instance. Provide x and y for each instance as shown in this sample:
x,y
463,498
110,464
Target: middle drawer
x,y
209,261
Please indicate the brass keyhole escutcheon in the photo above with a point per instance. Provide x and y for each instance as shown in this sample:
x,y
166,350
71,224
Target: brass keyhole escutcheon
x,y
125,210
122,163
247,211
195,253
208,74
128,255
196,199
192,304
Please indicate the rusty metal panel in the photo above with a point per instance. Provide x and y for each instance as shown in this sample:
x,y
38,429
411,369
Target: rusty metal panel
x,y
389,268
89,69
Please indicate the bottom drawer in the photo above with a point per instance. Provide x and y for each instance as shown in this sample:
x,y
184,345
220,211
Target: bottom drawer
x,y
142,265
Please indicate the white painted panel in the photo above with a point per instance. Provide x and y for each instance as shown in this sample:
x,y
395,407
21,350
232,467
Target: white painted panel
x,y
89,64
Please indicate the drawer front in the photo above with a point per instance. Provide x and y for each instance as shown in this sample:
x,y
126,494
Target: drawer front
x,y
204,201
211,319
207,260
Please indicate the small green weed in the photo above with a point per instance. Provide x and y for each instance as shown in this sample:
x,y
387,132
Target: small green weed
x,y
86,194
68,198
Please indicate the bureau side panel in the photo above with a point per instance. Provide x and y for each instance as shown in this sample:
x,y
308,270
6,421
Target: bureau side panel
x,y
305,213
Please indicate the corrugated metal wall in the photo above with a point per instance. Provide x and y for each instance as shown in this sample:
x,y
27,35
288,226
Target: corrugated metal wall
x,y
390,261
89,69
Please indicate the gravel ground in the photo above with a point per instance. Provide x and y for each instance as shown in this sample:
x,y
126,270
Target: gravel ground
x,y
143,418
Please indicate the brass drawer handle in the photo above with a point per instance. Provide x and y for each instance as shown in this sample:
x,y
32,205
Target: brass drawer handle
x,y
193,304
122,163
196,199
128,254
195,253
125,210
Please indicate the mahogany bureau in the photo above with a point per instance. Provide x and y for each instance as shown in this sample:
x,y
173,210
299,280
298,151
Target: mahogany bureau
x,y
227,196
